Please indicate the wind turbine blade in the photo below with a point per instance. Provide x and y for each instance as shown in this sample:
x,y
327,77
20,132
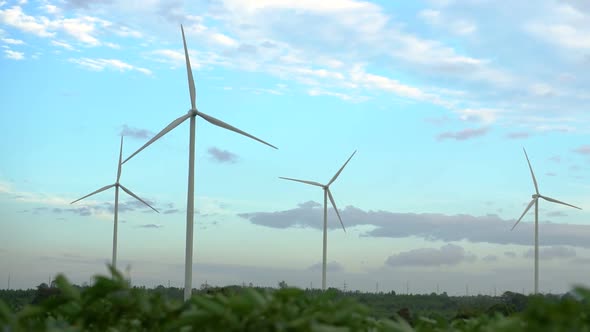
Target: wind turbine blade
x,y
340,170
558,202
532,174
120,157
222,124
335,209
136,197
94,192
189,71
164,131
313,183
525,211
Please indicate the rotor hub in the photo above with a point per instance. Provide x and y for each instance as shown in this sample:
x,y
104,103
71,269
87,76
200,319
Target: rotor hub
x,y
535,196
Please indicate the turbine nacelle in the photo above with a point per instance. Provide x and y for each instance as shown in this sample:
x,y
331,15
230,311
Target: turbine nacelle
x,y
535,196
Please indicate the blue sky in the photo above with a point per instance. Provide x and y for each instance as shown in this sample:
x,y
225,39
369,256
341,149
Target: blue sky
x,y
438,98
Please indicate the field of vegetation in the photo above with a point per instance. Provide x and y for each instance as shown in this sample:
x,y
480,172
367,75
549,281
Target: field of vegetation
x,y
110,304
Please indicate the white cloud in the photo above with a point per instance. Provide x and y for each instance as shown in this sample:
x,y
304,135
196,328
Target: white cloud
x,y
84,29
372,81
124,31
51,9
430,16
16,18
484,115
62,44
325,6
568,27
223,40
563,35
114,64
457,26
541,90
10,54
112,45
12,41
343,96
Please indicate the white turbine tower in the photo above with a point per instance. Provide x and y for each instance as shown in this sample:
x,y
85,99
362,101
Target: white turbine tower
x,y
535,201
327,194
117,185
192,115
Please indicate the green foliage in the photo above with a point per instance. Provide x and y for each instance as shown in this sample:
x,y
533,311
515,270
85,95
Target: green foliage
x,y
112,305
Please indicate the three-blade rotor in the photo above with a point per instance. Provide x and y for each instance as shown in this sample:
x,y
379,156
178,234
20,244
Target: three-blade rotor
x,y
117,184
538,195
193,111
326,187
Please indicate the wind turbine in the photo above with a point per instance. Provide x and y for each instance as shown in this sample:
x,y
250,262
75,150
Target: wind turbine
x,y
117,185
192,115
535,201
327,194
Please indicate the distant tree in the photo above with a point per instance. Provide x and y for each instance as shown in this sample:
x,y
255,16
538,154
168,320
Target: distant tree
x,y
516,300
283,284
44,292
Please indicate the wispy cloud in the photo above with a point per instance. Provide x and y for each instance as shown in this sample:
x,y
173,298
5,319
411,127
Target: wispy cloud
x,y
332,266
464,134
14,55
84,29
584,150
490,258
12,41
62,44
510,254
449,254
113,64
551,253
518,135
150,226
439,20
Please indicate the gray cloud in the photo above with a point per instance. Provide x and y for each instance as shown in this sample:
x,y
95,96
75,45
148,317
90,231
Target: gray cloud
x,y
150,226
105,207
551,253
463,135
135,132
448,254
556,159
222,156
510,254
429,226
85,4
556,214
581,260
490,258
330,267
518,135
551,174
584,149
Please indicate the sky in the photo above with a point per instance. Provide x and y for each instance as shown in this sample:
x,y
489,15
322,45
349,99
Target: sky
x,y
437,97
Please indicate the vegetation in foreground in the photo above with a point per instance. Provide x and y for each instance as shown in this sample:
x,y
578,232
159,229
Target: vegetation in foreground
x,y
111,305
